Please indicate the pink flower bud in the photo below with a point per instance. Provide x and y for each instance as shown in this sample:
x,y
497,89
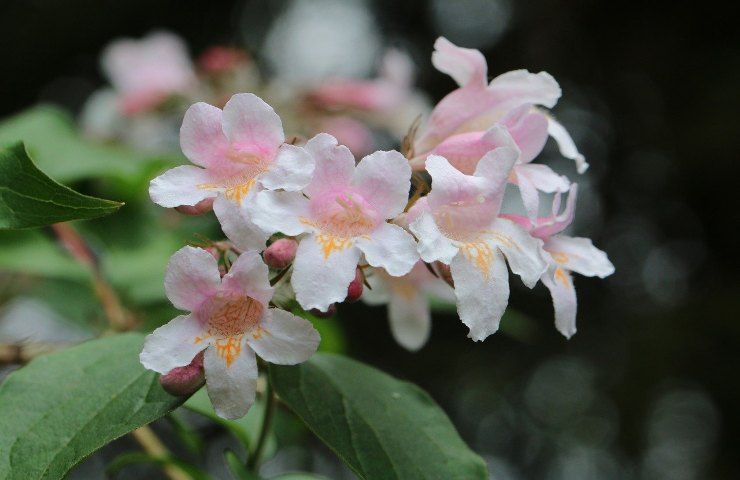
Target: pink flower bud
x,y
330,312
354,291
280,253
204,206
444,273
184,381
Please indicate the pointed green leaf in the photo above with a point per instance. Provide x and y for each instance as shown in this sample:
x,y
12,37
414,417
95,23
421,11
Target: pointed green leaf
x,y
61,407
28,198
381,427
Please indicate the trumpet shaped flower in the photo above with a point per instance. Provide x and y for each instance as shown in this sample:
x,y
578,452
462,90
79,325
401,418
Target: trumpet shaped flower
x,y
407,298
477,104
344,212
236,152
230,321
564,255
458,224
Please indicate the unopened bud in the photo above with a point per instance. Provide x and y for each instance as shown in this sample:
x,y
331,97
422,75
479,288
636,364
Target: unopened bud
x,y
443,270
184,381
280,253
327,314
354,291
204,206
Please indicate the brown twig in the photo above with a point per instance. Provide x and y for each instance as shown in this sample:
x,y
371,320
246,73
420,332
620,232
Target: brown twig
x,y
152,445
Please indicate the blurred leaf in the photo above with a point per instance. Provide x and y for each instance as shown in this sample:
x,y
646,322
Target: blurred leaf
x,y
187,436
382,428
59,150
237,467
299,476
61,407
332,337
28,198
245,429
31,252
137,458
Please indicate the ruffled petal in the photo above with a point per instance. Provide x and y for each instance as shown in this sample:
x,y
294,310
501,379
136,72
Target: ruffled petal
x,y
231,386
528,128
172,345
566,145
249,276
384,180
286,212
334,165
291,170
579,255
322,271
192,277
410,320
523,252
482,294
237,224
183,185
284,338
201,137
433,245
252,126
390,247
563,292
464,65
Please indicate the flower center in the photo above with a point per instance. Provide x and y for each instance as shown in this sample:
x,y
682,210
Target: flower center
x,y
344,216
464,221
230,315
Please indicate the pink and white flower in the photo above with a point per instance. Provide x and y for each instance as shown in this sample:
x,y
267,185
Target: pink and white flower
x,y
145,72
477,104
564,255
458,224
408,298
229,318
236,152
344,212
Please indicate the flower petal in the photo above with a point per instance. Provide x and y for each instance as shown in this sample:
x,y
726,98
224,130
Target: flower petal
x,y
390,247
566,145
482,296
192,276
291,170
173,344
518,87
284,338
252,126
201,137
181,185
249,275
322,274
334,165
285,212
464,65
237,225
528,128
384,180
433,245
410,320
556,223
523,252
563,292
231,387
579,255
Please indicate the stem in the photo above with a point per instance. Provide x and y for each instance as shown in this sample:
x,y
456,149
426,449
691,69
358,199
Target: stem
x,y
152,445
270,402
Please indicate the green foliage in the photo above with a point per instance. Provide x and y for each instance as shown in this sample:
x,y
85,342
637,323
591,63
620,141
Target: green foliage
x,y
28,198
63,406
138,458
382,428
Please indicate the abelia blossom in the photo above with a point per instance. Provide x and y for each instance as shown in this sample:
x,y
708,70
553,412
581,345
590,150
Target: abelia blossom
x,y
564,255
458,224
145,72
408,297
230,321
344,212
477,104
238,151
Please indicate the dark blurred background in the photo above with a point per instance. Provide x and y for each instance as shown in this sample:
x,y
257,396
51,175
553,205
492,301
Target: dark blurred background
x,y
648,388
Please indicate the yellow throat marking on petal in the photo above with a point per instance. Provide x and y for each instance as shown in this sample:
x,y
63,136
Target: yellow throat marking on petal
x,y
562,277
237,193
479,254
229,348
330,243
559,257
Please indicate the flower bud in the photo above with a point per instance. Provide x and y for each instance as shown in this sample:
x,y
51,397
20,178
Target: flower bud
x,y
330,312
204,206
280,253
443,270
184,381
354,291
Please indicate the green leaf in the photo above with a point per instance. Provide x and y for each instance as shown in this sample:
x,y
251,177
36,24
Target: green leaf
x,y
28,198
138,458
299,476
237,467
381,427
61,407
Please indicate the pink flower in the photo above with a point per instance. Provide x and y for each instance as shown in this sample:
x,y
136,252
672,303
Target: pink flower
x,y
343,211
145,72
229,318
564,255
478,105
238,151
458,224
408,298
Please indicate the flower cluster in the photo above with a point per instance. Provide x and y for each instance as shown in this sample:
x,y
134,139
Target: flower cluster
x,y
324,222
